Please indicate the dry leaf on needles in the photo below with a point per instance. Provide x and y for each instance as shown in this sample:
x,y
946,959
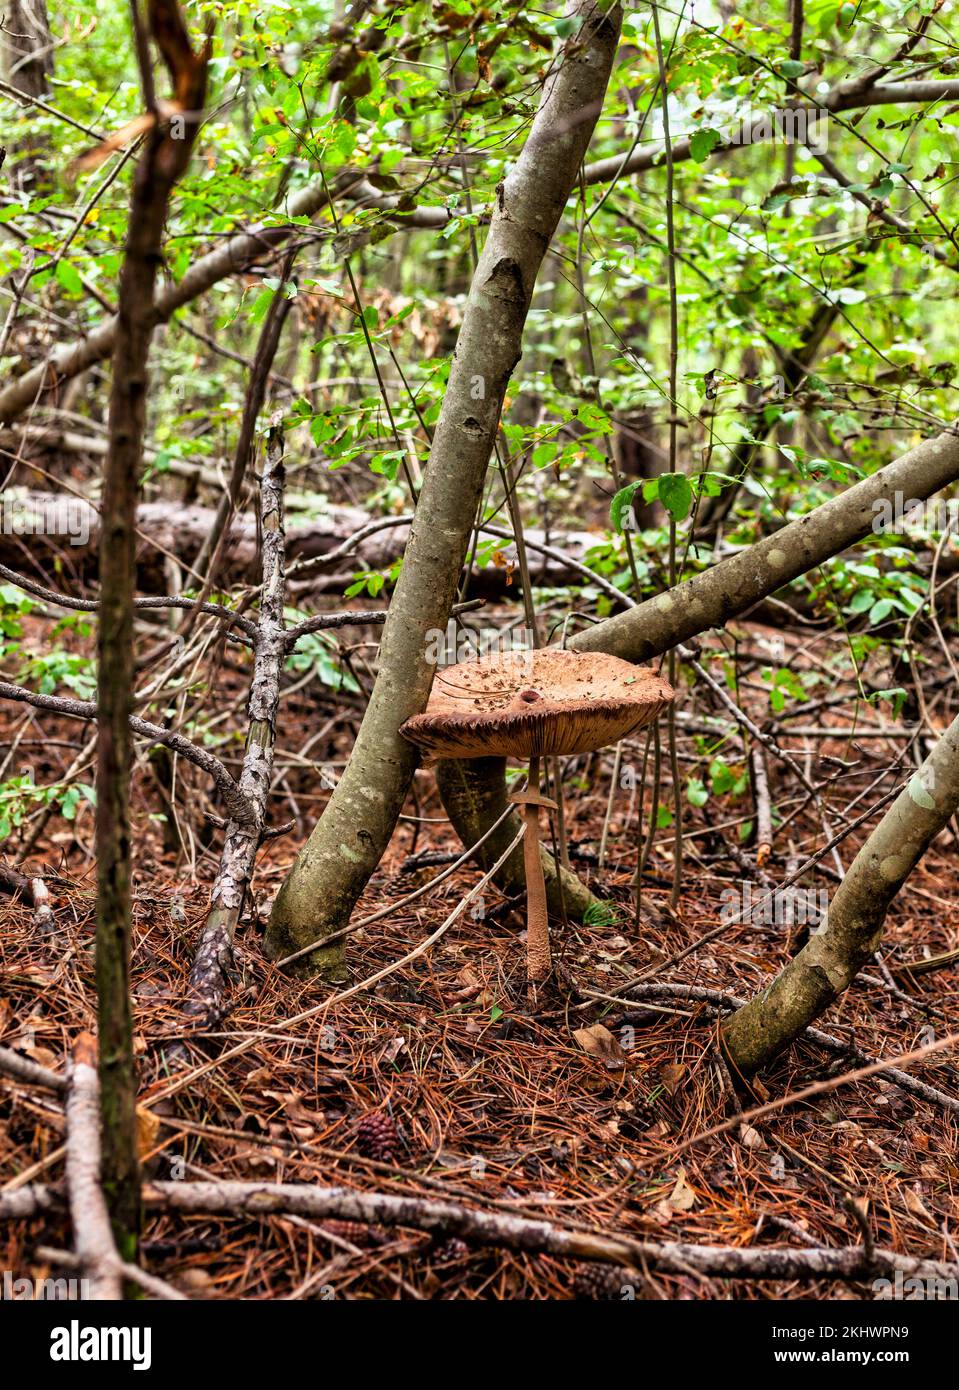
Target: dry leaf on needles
x,y
682,1197
148,1127
751,1138
671,1076
915,1205
600,1043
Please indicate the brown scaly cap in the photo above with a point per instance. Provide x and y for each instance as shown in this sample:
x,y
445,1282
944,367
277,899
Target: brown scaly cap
x,y
533,704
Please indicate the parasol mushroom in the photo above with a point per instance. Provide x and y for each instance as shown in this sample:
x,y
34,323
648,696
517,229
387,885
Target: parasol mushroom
x,y
529,706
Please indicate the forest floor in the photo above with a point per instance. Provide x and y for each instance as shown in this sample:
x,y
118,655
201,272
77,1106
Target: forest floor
x,y
486,1104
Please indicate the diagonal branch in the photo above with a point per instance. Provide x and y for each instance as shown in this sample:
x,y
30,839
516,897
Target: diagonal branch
x,y
202,758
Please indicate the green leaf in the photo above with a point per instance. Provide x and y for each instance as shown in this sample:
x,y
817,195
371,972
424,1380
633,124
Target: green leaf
x,y
696,793
620,507
68,276
676,494
702,144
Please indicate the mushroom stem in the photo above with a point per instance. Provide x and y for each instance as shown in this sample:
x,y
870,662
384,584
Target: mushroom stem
x,y
538,958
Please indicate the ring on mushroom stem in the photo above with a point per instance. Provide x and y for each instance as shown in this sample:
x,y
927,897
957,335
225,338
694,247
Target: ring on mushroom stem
x,y
582,701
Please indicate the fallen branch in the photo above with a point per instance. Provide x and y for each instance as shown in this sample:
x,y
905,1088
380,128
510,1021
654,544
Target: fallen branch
x,y
96,1252
442,1220
33,890
96,1257
43,521
29,1073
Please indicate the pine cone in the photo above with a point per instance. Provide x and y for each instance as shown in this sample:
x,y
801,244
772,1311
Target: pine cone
x,y
376,1137
602,1283
451,1250
356,1232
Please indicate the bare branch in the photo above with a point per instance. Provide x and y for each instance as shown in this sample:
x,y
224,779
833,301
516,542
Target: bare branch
x,y
201,757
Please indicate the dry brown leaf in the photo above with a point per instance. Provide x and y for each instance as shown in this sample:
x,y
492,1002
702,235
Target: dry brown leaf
x,y
600,1043
148,1127
682,1197
671,1076
915,1205
751,1138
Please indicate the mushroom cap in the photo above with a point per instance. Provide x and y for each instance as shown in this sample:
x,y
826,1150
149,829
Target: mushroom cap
x,y
532,704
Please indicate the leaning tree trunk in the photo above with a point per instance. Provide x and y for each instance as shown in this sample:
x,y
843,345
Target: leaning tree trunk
x,y
710,599
347,844
733,586
841,946
162,163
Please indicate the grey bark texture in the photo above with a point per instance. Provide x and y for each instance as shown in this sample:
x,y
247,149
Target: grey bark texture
x,y
96,1252
726,590
209,978
347,844
27,46
852,929
505,1229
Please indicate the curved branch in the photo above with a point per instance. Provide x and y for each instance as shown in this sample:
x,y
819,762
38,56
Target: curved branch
x,y
87,605
202,758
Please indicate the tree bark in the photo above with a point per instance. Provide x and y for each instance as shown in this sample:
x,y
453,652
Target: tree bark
x,y
209,977
28,67
334,866
839,948
28,46
163,161
728,589
92,1234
